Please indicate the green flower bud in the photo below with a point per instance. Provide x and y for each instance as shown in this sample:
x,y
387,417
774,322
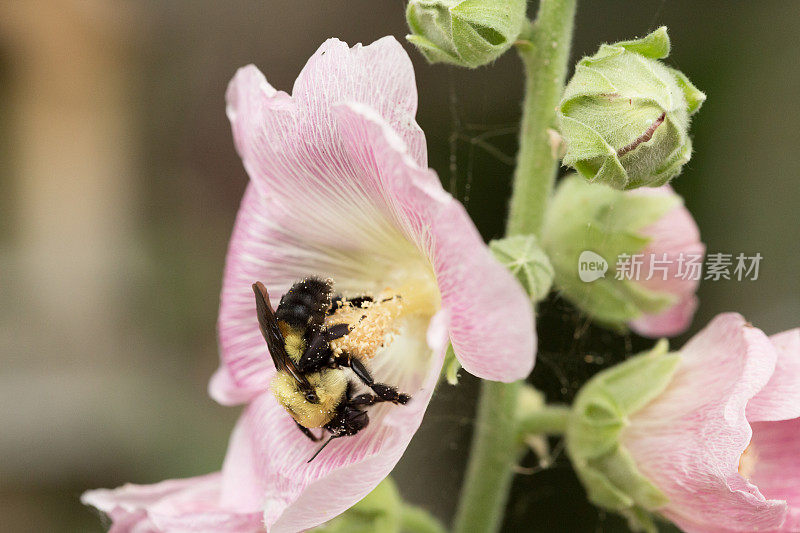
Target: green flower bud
x,y
587,229
467,33
625,115
523,256
599,415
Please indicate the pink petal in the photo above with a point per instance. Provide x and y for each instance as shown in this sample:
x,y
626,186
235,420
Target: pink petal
x,y
223,389
180,505
780,398
671,322
675,234
490,318
380,76
690,439
266,467
777,465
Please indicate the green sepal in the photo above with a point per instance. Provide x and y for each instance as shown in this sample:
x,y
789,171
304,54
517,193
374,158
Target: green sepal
x,y
430,51
694,96
624,115
451,366
467,33
525,258
655,45
599,415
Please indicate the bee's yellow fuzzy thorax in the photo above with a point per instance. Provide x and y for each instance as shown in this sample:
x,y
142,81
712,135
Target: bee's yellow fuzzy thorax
x,y
330,386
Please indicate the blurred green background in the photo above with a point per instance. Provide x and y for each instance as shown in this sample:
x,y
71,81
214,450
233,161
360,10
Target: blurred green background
x,y
120,184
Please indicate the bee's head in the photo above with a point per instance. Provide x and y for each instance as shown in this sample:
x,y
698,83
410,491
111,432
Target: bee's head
x,y
352,421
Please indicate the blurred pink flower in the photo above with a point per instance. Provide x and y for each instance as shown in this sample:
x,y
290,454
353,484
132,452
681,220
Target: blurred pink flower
x,y
675,240
339,187
722,440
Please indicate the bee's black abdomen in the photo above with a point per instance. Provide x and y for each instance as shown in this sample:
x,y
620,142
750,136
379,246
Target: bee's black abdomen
x,y
306,303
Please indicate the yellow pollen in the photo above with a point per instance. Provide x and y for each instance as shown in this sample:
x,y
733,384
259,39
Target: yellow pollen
x,y
370,324
373,323
747,462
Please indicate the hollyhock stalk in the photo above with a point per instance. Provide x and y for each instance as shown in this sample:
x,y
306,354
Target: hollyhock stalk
x,y
544,50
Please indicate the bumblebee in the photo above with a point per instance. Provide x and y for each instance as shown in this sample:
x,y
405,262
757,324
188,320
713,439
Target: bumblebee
x,y
310,382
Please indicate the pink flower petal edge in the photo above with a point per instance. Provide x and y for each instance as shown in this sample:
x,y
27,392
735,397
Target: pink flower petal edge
x,y
780,398
774,414
675,234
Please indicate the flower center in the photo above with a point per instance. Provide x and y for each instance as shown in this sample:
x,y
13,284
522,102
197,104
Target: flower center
x,y
373,323
747,462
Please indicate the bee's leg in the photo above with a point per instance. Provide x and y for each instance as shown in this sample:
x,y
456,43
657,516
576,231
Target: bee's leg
x,y
318,353
306,432
386,393
339,301
335,331
365,400
356,302
336,303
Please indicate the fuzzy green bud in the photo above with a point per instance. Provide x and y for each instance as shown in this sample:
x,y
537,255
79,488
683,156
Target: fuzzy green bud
x,y
625,115
467,33
523,256
593,438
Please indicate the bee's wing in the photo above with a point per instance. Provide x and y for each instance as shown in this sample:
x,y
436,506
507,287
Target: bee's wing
x,y
272,334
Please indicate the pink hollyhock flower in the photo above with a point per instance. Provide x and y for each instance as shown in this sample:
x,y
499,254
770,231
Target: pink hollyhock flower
x,y
339,187
721,442
675,245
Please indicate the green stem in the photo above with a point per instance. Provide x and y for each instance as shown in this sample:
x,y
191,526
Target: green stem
x,y
547,420
417,520
495,449
544,53
495,440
